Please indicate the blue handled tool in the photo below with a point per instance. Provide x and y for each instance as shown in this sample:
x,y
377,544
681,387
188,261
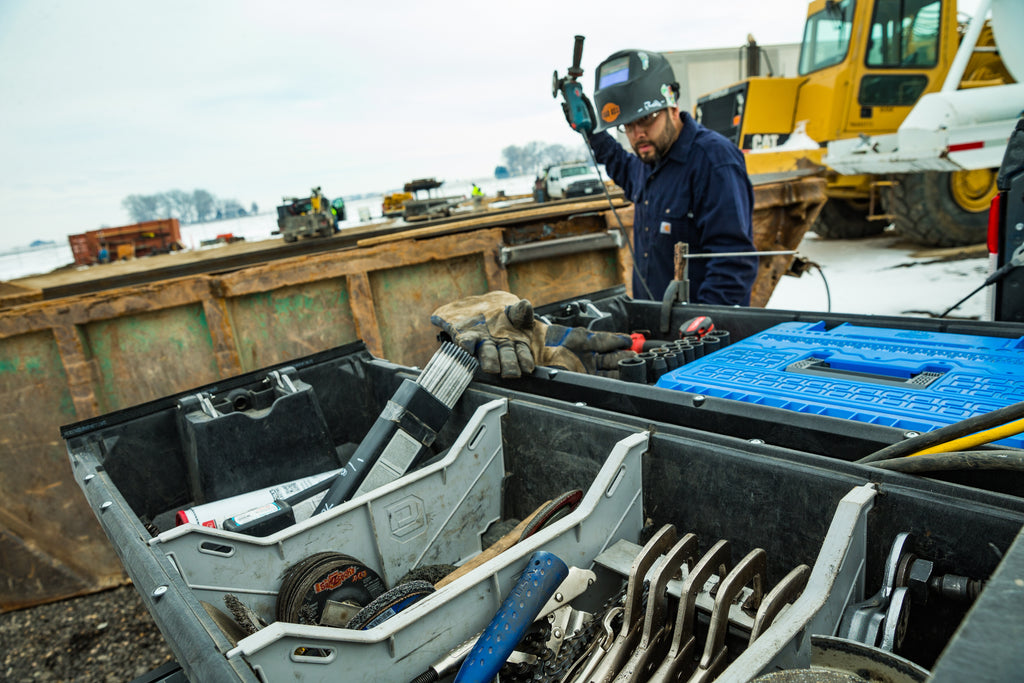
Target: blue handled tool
x,y
575,106
543,574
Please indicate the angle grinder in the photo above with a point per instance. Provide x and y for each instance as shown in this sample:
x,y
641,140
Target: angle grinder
x,y
575,106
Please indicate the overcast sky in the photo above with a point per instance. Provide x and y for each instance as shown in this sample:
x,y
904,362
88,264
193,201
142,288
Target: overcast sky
x,y
253,100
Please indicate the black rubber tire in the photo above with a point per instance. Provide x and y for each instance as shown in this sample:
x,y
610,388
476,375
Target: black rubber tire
x,y
926,213
842,219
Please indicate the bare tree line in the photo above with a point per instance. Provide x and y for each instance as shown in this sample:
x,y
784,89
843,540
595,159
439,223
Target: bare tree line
x,y
196,206
535,156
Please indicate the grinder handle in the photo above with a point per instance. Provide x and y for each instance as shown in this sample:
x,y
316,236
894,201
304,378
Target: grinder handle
x,y
577,57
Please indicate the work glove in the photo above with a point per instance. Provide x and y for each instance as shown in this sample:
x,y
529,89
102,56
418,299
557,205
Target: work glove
x,y
494,327
499,329
581,350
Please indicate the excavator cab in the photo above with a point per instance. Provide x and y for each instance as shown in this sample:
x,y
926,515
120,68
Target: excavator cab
x,y
863,66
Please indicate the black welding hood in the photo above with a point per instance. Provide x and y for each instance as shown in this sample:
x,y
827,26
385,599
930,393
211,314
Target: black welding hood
x,y
632,84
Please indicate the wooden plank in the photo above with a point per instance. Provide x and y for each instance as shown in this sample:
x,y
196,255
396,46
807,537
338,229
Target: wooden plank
x,y
225,350
78,369
364,313
953,253
497,275
12,294
524,215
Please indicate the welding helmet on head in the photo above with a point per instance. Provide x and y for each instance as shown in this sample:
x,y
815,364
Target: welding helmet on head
x,y
630,85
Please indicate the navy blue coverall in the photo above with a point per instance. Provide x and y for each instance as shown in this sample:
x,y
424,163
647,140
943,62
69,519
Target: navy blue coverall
x,y
699,193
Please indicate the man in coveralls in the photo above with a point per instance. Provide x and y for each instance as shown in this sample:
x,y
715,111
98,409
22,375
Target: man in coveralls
x,y
687,183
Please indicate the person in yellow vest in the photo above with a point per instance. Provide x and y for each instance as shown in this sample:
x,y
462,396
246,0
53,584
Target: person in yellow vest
x,y
478,196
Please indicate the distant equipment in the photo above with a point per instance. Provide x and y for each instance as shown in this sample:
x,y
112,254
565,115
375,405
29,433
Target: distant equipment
x,y
577,179
128,241
307,217
418,208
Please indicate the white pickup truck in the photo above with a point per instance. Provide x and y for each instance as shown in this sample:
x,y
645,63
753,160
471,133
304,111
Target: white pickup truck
x,y
578,179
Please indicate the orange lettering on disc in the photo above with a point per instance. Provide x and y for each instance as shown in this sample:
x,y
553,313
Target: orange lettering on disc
x,y
610,112
333,580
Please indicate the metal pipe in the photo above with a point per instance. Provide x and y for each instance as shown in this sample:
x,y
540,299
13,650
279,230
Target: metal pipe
x,y
741,253
967,45
560,247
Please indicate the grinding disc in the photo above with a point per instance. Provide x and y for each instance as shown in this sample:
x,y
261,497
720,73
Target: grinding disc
x,y
390,603
311,583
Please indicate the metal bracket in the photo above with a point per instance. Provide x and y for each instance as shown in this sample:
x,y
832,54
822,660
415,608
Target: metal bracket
x,y
875,184
206,404
610,239
282,380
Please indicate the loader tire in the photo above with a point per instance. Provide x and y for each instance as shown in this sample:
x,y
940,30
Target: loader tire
x,y
842,219
937,209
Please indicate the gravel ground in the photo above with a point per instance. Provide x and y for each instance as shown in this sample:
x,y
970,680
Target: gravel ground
x,y
106,637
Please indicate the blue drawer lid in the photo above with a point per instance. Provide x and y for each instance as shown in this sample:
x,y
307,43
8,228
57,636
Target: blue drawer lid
x,y
907,379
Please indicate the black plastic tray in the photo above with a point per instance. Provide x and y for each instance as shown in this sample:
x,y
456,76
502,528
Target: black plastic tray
x,y
132,468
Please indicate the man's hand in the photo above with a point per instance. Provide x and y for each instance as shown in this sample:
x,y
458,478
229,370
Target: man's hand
x,y
499,329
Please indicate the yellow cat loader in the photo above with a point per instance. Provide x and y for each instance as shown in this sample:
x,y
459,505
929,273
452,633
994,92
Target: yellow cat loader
x,y
864,65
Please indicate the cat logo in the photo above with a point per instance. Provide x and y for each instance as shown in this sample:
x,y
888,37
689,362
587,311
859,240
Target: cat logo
x,y
610,112
767,141
763,141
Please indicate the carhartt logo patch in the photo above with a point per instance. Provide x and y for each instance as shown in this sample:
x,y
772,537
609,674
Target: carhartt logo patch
x,y
666,228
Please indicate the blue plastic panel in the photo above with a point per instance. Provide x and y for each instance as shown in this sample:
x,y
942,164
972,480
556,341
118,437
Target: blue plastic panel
x,y
901,378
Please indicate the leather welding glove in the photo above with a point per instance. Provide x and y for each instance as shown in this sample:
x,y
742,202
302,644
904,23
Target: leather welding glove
x,y
494,327
500,330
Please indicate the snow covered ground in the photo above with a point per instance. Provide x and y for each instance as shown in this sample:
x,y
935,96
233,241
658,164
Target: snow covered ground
x,y
885,276
881,275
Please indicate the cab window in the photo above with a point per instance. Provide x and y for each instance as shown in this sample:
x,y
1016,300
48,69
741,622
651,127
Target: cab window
x,y
826,36
904,33
575,170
